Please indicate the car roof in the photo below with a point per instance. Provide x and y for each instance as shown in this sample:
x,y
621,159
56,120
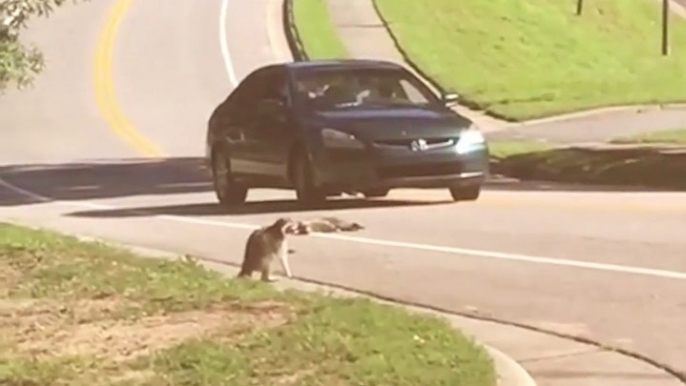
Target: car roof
x,y
343,64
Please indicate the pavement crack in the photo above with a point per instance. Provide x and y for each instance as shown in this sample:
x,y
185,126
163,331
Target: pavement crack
x,y
561,355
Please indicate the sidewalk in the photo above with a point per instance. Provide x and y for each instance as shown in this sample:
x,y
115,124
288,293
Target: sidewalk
x,y
550,360
365,36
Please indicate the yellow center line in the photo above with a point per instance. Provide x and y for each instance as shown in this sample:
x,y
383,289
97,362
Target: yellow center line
x,y
104,85
125,130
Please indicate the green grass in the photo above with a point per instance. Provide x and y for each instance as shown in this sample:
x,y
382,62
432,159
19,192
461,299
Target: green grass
x,y
666,137
503,149
317,31
633,166
75,313
534,58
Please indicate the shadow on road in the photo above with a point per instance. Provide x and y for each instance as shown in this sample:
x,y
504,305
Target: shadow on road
x,y
133,177
106,179
250,207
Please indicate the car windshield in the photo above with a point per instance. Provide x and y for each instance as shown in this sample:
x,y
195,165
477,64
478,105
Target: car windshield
x,y
329,89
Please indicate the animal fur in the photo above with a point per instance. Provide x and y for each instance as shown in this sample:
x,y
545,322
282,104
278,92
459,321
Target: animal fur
x,y
265,244
324,225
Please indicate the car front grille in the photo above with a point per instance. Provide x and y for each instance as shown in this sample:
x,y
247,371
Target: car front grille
x,y
406,143
420,170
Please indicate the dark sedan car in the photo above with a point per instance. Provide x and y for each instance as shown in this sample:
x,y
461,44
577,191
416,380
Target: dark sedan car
x,y
328,127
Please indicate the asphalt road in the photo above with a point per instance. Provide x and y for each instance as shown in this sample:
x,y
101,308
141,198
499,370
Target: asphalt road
x,y
595,128
608,265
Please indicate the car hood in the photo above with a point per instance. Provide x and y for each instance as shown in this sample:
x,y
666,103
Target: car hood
x,y
395,123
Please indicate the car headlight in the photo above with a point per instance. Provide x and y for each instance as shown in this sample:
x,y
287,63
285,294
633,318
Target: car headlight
x,y
340,139
470,139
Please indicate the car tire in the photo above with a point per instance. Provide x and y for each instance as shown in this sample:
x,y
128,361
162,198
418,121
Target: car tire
x,y
228,192
376,193
305,190
465,193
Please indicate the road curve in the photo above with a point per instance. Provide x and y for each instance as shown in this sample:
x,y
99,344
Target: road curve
x,y
608,265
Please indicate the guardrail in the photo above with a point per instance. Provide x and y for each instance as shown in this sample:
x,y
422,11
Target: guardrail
x,y
294,41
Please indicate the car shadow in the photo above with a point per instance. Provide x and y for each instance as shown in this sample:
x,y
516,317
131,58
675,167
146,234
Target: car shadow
x,y
119,178
252,207
28,184
92,180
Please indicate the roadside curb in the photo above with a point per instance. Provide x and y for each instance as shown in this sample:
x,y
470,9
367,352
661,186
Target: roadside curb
x,y
470,323
291,32
487,121
503,122
508,371
483,120
662,163
635,109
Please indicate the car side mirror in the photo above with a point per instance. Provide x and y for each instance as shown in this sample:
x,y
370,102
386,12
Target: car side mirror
x,y
450,98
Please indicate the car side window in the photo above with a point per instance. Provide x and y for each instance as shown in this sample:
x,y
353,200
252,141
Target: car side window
x,y
275,85
245,96
411,93
248,91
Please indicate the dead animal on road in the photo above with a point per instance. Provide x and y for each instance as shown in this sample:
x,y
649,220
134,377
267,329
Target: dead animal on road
x,y
265,244
325,225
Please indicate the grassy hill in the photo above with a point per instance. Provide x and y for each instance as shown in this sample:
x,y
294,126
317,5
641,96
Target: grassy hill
x,y
316,30
533,58
85,313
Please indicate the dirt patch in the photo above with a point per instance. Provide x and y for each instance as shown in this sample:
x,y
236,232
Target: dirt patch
x,y
132,376
294,379
25,315
9,277
44,329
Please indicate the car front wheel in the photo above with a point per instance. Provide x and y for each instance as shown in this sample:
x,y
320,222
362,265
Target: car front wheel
x,y
376,193
306,191
465,193
228,192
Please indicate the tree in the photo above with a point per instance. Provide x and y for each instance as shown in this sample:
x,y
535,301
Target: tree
x,y
19,64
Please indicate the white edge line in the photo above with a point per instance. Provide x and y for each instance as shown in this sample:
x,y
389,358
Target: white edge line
x,y
470,252
223,13
388,243
232,78
515,257
507,368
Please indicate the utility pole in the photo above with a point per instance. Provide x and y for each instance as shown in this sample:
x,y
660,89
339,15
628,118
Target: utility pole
x,y
579,6
665,27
